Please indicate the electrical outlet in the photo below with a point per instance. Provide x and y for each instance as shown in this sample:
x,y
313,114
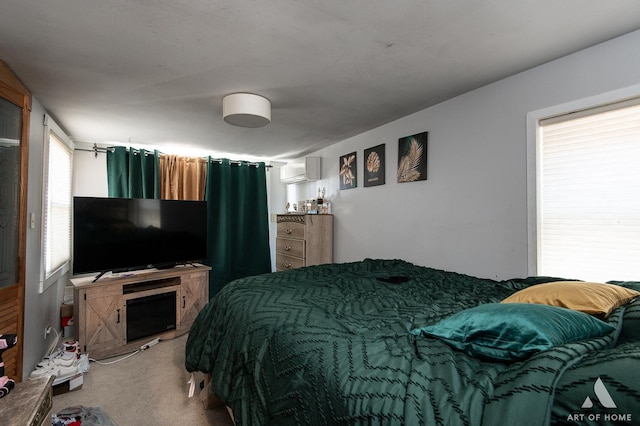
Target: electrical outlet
x,y
47,330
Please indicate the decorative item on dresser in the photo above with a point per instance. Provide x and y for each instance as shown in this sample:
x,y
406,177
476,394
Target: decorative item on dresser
x,y
304,240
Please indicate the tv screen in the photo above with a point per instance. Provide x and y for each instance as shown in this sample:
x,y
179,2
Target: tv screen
x,y
120,234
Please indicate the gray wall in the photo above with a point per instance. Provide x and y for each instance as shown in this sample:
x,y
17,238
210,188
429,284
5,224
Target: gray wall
x,y
470,216
41,309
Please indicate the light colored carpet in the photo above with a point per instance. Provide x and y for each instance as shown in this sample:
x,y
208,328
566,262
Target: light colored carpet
x,y
149,388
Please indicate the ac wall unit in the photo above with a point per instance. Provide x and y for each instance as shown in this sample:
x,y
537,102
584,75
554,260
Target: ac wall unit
x,y
303,170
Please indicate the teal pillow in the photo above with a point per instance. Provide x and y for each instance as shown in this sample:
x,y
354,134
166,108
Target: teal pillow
x,y
513,331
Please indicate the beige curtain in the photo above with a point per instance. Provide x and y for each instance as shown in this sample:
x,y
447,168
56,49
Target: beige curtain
x,y
182,178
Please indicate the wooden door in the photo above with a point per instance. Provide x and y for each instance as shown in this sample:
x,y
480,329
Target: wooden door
x,y
194,294
15,108
103,315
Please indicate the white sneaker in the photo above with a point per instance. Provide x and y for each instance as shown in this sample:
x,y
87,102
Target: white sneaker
x,y
69,362
44,372
64,372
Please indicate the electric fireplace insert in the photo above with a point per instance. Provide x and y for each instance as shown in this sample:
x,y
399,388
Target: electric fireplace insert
x,y
150,315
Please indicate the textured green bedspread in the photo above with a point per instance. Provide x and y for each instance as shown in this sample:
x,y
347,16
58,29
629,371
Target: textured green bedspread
x,y
330,344
619,371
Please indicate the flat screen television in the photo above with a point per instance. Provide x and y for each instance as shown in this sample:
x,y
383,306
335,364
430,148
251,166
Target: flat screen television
x,y
125,234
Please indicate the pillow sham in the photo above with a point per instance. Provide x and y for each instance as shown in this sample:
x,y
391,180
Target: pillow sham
x,y
588,297
513,331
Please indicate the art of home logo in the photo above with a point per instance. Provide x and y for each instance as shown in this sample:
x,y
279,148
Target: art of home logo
x,y
605,401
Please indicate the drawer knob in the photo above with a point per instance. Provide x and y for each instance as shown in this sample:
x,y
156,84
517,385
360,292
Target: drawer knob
x,y
287,264
287,248
288,231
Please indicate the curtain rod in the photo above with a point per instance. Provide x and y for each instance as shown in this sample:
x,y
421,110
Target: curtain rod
x,y
239,163
98,150
95,150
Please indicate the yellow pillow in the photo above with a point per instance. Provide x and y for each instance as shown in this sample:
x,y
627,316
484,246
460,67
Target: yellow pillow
x,y
592,298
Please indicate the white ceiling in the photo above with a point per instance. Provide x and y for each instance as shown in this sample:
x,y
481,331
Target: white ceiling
x,y
140,72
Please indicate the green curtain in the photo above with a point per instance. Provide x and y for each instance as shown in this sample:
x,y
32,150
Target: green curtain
x,y
236,195
238,231
133,173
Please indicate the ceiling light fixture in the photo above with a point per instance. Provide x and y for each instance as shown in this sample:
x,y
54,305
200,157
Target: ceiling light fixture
x,y
246,110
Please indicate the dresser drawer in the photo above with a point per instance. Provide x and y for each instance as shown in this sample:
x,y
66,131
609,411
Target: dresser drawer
x,y
290,247
284,262
303,240
291,230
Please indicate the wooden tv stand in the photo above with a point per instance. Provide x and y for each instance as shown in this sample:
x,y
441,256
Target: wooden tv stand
x,y
100,308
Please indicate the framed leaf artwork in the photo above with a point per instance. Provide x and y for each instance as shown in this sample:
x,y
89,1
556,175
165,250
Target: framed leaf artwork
x,y
374,170
348,171
412,158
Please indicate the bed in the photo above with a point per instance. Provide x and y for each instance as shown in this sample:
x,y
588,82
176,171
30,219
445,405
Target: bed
x,y
358,343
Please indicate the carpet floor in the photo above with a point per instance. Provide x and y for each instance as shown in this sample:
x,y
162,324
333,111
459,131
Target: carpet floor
x,y
149,388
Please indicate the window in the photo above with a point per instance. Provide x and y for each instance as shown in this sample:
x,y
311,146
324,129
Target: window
x,y
588,181
56,239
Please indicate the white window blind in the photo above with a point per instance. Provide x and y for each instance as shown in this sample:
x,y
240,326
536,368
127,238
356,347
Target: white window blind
x,y
57,200
588,192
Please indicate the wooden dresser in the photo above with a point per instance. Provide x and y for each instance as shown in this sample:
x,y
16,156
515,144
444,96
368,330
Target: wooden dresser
x,y
30,403
303,240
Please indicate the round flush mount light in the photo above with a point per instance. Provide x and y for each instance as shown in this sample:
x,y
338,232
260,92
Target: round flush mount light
x,y
246,110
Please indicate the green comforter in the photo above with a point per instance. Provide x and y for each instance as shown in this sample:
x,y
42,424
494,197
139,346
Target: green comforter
x,y
330,344
619,370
